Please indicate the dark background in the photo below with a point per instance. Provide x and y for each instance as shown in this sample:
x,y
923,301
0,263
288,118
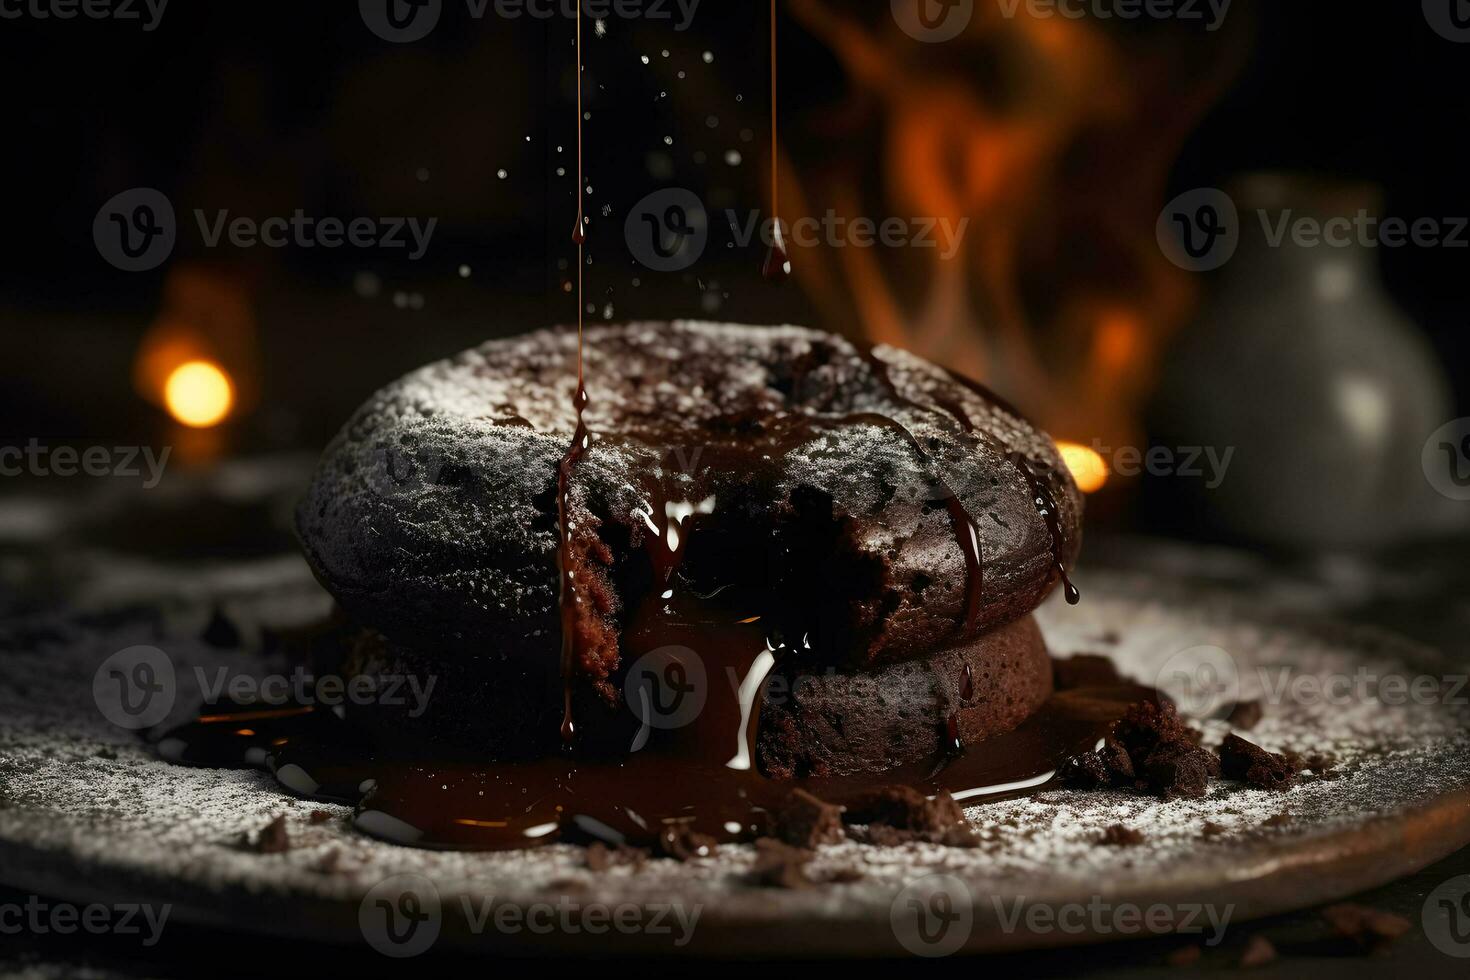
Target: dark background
x,y
268,106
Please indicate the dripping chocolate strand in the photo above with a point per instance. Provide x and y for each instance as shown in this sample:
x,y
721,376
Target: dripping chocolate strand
x,y
778,259
568,598
1046,505
1041,494
967,536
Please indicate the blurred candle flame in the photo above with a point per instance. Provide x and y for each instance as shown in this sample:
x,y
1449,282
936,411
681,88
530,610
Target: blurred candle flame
x,y
199,394
1088,467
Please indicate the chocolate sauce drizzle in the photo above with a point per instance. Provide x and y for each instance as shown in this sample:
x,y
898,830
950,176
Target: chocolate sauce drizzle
x,y
1041,494
568,599
778,258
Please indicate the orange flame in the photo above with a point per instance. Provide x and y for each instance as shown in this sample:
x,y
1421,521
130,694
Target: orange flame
x,y
1057,148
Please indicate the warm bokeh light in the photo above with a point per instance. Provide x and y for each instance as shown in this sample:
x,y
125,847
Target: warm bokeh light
x,y
1088,467
199,394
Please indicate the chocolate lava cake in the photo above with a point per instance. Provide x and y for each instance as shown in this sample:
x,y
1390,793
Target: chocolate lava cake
x,y
885,526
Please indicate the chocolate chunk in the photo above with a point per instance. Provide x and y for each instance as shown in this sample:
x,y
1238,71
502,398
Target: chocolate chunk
x,y
914,816
1117,761
1258,952
942,821
272,839
1320,764
1147,726
901,814
1211,829
1085,771
807,822
319,817
1150,749
1120,836
329,863
844,876
1245,715
1371,929
568,886
1249,763
779,865
1174,772
1084,670
682,842
1277,820
600,857
894,806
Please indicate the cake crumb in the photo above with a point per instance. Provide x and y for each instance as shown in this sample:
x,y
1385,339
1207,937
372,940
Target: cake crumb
x,y
1249,763
273,838
901,814
779,865
1371,929
600,857
682,842
1258,952
1245,715
1150,749
806,821
1118,835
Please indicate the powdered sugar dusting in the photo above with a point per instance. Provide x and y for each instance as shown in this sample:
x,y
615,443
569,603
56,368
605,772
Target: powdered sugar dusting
x,y
89,803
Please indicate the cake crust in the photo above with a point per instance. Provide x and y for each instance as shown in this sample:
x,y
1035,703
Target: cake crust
x,y
432,517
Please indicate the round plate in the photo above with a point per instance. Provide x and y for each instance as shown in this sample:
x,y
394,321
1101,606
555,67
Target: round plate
x,y
88,814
